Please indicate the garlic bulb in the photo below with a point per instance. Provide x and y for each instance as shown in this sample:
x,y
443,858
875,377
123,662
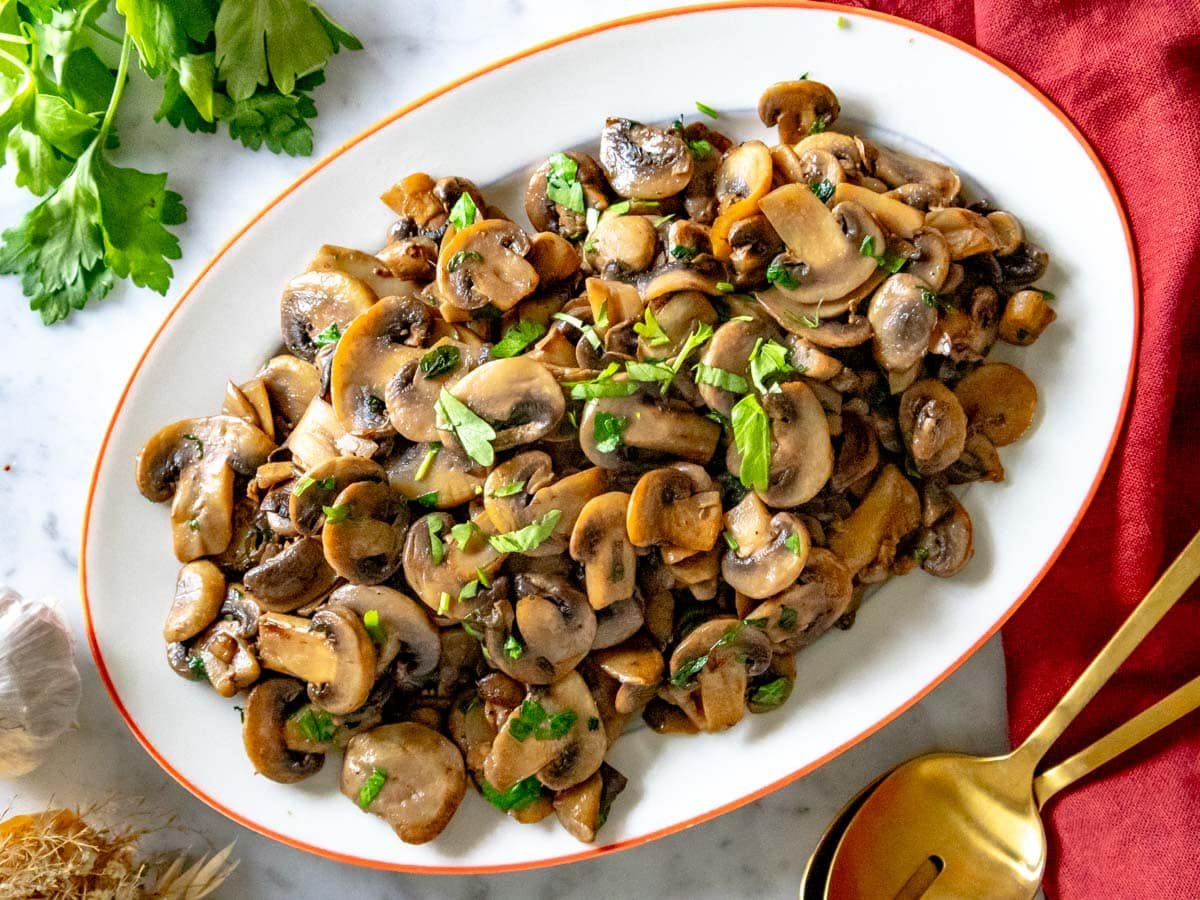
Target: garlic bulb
x,y
39,684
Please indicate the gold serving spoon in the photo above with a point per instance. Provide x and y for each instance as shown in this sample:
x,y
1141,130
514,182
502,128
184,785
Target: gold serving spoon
x,y
951,825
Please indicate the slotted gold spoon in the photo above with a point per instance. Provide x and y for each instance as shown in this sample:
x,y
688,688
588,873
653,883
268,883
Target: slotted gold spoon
x,y
951,825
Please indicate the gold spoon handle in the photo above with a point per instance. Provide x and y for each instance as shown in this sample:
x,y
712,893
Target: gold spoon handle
x,y
1150,721
1169,588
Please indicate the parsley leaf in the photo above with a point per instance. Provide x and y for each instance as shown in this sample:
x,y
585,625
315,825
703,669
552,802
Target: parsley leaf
x,y
373,626
528,538
513,648
771,695
792,542
752,436
707,110
701,149
463,532
509,489
437,547
464,212
651,373
519,796
769,361
699,336
435,447
720,378
562,186
315,725
650,331
602,385
330,335
472,432
823,189
371,787
784,274
336,514
607,430
589,333
532,720
440,361
517,337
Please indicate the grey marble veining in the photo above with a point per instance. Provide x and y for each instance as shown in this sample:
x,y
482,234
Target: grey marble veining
x,y
58,387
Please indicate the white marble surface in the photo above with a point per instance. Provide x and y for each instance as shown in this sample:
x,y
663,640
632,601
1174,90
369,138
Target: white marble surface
x,y
57,390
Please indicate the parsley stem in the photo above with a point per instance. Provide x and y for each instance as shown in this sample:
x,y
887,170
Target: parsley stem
x,y
104,32
118,89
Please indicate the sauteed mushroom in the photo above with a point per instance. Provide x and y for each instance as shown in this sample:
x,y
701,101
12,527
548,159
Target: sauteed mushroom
x,y
644,161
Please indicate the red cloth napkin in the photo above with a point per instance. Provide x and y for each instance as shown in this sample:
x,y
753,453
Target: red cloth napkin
x,y
1128,74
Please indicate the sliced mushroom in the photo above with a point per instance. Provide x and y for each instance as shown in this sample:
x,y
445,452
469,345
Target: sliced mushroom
x,y
411,258
370,352
654,428
617,622
413,389
933,425
798,108
437,568
888,513
1026,316
932,264
678,316
294,577
321,486
409,639
712,667
858,455
227,659
801,451
316,437
511,486
600,544
980,461
199,592
999,400
314,302
743,178
969,333
620,246
644,161
764,564
194,461
967,233
559,762
485,265
898,218
441,474
544,634
264,718
896,169
806,610
422,774
901,322
371,270
729,349
620,301
676,506
364,543
413,199
849,151
250,403
554,258
945,548
583,809
518,397
331,651
639,666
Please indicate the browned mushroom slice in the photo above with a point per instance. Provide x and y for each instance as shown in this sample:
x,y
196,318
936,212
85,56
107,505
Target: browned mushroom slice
x,y
621,245
199,592
547,215
436,473
371,270
803,612
697,572
600,543
698,276
321,485
836,334
933,425
412,392
617,622
294,577
846,149
999,400
945,548
554,734
438,568
858,455
675,506
364,532
968,333
932,263
801,451
654,428
901,321
193,463
554,258
250,403
745,172
315,439
767,552
895,169
411,258
620,302
712,667
583,809
888,513
729,349
807,357
470,727
485,265
291,384
331,651
753,243
639,666
408,775
370,352
1026,316
511,486
967,233
544,634
399,628
518,397
773,687
980,461
263,721
413,198
798,108
677,316
644,161
898,218
320,303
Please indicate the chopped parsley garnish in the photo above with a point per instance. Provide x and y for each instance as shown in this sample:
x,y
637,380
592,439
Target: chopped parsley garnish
x,y
373,626
823,189
920,554
928,297
517,338
683,252
841,22
701,149
376,405
315,725
513,648
1049,295
194,524
721,378
464,532
429,500
772,694
602,315
464,211
483,578
607,430
437,547
602,385
508,490
589,333
752,436
785,274
463,256
519,796
787,618
769,361
199,444
306,482
818,125
651,373
472,432
700,335
371,787
532,720
730,541
440,360
469,590
725,287
707,110
336,514
562,185
792,542
427,461
650,331
444,600
330,335
528,538
891,262
196,666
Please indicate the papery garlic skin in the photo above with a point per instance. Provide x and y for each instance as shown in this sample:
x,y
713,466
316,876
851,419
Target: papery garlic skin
x,y
39,684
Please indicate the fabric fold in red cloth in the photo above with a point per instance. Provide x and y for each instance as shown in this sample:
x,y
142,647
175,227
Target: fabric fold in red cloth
x,y
1128,75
